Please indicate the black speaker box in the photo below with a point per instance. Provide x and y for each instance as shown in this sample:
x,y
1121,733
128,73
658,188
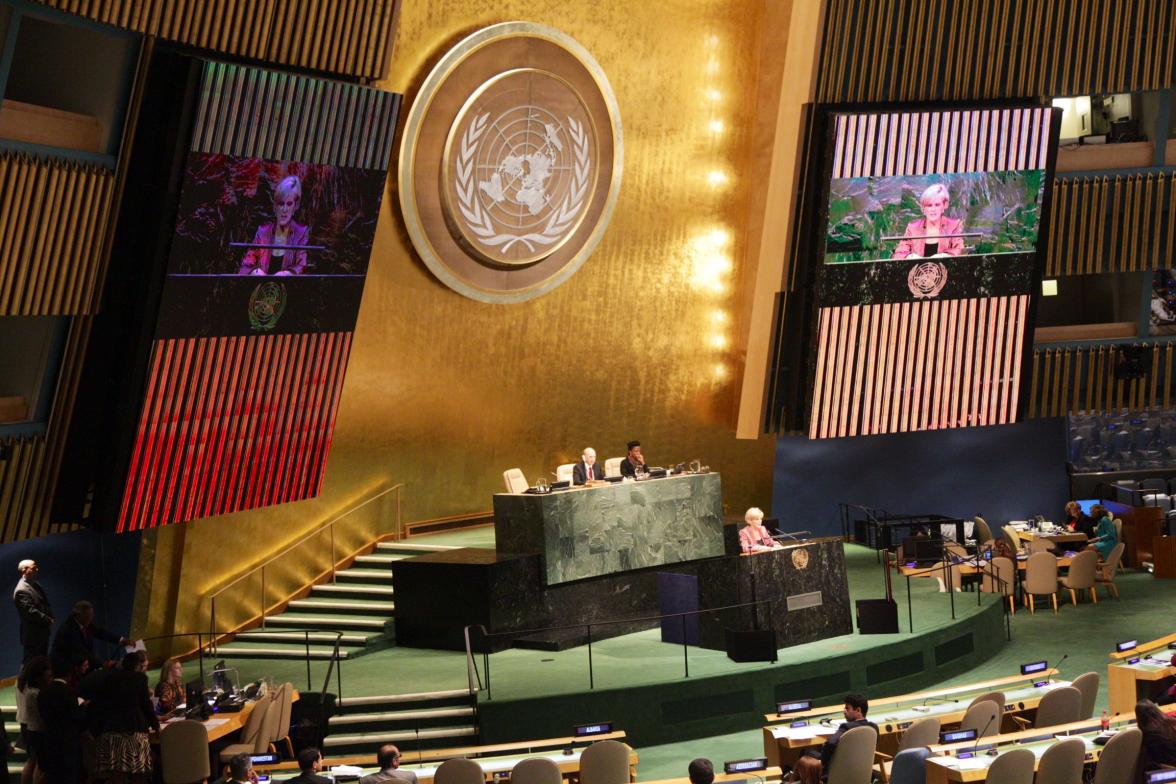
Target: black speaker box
x,y
753,645
877,616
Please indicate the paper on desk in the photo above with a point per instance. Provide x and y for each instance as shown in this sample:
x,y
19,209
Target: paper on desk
x,y
215,722
973,763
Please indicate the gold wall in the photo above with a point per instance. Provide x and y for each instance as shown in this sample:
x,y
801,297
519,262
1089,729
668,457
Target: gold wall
x,y
443,393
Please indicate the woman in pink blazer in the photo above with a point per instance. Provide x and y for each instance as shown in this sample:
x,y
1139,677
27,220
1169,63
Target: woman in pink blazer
x,y
931,234
283,230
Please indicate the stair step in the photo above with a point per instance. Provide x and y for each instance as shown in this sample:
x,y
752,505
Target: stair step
x,y
371,739
382,559
418,549
348,589
392,699
406,715
232,650
295,637
340,622
358,574
343,605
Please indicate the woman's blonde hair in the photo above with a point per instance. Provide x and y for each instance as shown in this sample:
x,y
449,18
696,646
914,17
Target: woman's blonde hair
x,y
936,191
165,671
290,186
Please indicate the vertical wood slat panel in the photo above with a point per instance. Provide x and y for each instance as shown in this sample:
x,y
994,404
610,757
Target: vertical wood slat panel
x,y
1082,379
998,48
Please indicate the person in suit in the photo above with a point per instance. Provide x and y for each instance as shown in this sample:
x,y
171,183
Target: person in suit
x,y
240,771
76,634
1159,735
32,605
388,758
64,721
282,230
856,707
1077,521
122,715
633,460
310,762
586,470
935,233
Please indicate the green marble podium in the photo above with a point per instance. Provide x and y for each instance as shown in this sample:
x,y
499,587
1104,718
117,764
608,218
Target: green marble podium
x,y
594,531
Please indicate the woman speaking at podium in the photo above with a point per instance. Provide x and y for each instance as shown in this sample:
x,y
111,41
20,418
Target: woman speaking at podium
x,y
933,234
754,538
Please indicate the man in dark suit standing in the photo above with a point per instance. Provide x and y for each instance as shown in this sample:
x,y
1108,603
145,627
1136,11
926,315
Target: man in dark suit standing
x,y
76,634
310,762
64,721
586,470
32,605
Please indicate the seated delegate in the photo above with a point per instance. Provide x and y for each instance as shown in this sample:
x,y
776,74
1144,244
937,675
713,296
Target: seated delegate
x,y
1077,522
754,537
1105,536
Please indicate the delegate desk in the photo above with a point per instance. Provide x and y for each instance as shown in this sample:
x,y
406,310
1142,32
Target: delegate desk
x,y
783,743
1053,534
1129,681
221,725
945,767
597,530
495,767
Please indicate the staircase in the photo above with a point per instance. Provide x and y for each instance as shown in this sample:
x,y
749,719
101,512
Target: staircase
x,y
436,719
359,604
15,761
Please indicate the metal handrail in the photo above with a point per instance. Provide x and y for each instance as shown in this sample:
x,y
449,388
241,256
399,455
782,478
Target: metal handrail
x,y
329,525
472,666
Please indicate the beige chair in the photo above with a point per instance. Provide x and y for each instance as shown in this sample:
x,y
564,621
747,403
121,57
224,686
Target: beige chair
x,y
1011,538
1116,764
854,761
183,751
1062,763
1058,706
515,481
536,770
1087,683
605,762
984,717
1105,574
924,732
254,739
281,736
1118,530
1041,579
1001,577
612,466
1013,767
459,771
992,696
563,473
1081,576
982,531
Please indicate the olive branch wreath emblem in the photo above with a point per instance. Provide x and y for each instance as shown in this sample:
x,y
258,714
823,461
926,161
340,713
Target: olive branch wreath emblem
x,y
478,219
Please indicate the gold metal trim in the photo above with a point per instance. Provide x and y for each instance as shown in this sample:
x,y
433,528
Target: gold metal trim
x,y
412,129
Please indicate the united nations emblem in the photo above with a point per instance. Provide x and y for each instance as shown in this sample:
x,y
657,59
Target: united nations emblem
x,y
266,304
927,279
508,176
800,558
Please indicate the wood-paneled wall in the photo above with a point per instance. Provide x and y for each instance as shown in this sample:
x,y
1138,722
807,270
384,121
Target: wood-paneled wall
x,y
1083,379
894,50
1120,223
347,37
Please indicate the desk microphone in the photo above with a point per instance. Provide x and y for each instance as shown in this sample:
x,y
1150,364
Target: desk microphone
x,y
1059,664
941,699
794,535
980,735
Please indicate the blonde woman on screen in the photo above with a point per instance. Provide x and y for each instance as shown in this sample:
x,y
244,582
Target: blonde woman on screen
x,y
931,235
268,257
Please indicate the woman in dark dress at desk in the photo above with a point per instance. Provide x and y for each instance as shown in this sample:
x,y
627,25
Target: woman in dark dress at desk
x,y
1159,735
1078,522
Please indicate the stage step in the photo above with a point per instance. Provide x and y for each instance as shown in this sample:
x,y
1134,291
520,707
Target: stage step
x,y
352,590
358,574
296,637
234,650
365,741
451,695
380,559
340,622
413,549
434,717
362,606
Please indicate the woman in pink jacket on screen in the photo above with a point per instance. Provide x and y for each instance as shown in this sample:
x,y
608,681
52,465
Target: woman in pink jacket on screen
x,y
931,235
282,230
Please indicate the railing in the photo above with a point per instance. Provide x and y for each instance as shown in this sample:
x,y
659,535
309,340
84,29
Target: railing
x,y
357,540
474,676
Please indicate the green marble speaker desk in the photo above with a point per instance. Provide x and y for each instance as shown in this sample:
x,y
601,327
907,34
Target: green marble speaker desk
x,y
593,531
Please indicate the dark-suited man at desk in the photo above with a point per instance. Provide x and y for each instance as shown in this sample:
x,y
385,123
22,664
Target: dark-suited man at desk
x,y
32,606
633,460
76,634
388,758
587,470
310,762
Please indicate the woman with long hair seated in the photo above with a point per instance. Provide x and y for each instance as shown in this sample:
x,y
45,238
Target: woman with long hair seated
x,y
170,689
1159,735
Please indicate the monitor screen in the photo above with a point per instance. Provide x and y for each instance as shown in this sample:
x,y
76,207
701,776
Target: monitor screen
x,y
1032,667
794,707
743,766
957,736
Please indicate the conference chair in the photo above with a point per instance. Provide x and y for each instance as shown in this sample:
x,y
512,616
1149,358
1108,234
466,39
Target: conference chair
x,y
183,751
1003,579
536,770
515,481
984,717
1011,538
923,732
909,766
1081,576
992,696
853,762
563,473
605,762
1087,683
1116,764
1057,706
1119,531
1062,763
1105,574
612,466
1012,767
281,735
983,531
1041,579
254,739
459,771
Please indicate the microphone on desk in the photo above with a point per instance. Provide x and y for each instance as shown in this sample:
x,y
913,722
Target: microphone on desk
x,y
942,699
794,535
980,735
1059,664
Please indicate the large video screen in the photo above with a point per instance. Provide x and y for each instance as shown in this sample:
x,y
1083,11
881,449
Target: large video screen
x,y
928,268
278,197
